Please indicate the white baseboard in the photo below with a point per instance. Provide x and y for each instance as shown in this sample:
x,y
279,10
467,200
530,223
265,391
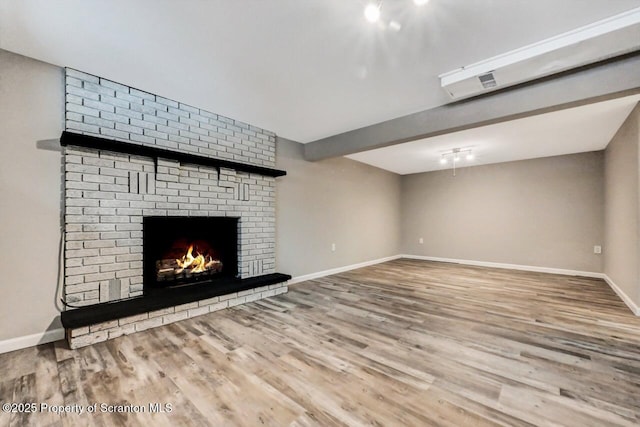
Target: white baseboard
x,y
509,266
31,340
337,270
635,309
565,272
623,296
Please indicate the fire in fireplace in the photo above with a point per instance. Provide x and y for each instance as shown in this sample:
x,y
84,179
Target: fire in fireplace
x,y
198,259
186,250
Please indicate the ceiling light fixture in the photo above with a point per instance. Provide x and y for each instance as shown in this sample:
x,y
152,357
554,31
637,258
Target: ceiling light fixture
x,y
372,12
455,155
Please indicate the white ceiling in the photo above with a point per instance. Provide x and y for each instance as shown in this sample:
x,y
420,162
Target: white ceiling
x,y
574,130
305,69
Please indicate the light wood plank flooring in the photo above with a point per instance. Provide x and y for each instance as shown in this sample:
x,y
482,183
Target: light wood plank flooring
x,y
401,343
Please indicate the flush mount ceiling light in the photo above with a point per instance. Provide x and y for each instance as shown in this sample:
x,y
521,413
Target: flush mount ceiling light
x,y
372,12
420,2
455,155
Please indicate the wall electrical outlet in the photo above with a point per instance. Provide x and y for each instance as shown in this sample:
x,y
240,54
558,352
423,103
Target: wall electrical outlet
x,y
333,247
421,240
597,249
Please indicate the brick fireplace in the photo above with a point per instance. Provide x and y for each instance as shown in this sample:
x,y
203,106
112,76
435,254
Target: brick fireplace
x,y
112,192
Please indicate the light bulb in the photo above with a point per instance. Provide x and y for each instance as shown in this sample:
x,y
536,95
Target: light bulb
x,y
372,12
443,160
420,2
470,156
456,158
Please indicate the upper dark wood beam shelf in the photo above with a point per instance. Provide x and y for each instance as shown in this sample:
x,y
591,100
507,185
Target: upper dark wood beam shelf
x,y
71,138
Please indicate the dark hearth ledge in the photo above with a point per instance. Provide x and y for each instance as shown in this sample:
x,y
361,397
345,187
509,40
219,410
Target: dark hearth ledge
x,y
104,312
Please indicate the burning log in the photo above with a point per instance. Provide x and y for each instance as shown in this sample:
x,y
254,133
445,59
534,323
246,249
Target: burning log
x,y
187,265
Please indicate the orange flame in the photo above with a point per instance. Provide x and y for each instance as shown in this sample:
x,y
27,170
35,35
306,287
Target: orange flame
x,y
197,264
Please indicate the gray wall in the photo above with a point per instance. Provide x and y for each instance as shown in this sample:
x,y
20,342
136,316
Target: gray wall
x,y
622,213
339,201
31,110
544,212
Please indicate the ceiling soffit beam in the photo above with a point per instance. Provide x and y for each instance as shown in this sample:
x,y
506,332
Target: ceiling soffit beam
x,y
599,82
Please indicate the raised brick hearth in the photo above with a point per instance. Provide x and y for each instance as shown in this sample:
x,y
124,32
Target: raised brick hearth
x,y
97,332
108,193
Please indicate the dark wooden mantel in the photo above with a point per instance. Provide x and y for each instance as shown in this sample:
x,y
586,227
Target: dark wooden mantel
x,y
95,142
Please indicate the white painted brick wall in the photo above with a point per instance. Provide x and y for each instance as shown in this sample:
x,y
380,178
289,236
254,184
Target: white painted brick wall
x,y
101,107
107,194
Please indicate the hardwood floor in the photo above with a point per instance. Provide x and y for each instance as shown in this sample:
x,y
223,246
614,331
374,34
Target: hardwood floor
x,y
401,343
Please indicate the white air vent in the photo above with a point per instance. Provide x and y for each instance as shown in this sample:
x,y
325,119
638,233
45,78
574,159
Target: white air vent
x,y
487,80
601,40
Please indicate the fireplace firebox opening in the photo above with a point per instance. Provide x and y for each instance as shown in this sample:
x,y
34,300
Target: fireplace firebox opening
x,y
179,251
